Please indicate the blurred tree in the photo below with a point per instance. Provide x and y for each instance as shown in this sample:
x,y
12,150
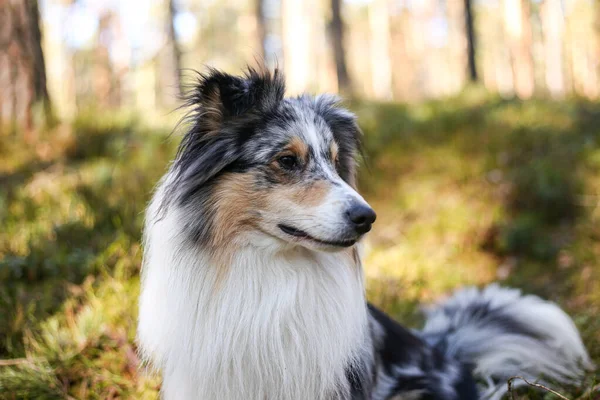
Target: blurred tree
x,y
470,34
261,28
173,44
381,64
403,73
597,34
336,32
553,28
170,61
588,59
22,66
454,68
106,82
581,61
297,47
517,24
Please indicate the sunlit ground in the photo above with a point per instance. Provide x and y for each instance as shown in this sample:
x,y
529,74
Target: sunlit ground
x,y
467,190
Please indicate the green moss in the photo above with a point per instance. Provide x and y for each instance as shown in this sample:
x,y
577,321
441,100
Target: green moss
x,y
468,190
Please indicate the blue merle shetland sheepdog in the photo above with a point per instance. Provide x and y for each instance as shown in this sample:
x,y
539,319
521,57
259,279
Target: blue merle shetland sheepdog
x,y
252,282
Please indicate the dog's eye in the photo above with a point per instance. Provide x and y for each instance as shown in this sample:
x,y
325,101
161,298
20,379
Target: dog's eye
x,y
288,162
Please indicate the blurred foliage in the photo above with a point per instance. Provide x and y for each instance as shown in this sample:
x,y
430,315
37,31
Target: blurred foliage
x,y
75,214
468,190
479,188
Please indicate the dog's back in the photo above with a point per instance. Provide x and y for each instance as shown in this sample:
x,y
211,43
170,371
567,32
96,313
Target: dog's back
x,y
489,335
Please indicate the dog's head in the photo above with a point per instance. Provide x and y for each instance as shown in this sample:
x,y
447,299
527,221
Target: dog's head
x,y
259,167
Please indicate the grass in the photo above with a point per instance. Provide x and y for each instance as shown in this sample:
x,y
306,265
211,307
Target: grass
x,y
468,190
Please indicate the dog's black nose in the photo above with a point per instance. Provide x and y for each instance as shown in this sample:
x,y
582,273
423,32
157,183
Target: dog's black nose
x,y
362,217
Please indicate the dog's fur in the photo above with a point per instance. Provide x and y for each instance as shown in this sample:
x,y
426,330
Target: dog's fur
x,y
252,283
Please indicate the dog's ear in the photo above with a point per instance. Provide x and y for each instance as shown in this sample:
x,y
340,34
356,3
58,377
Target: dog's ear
x,y
219,98
346,133
221,105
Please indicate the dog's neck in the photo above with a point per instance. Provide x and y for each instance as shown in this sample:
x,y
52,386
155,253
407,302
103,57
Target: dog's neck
x,y
250,322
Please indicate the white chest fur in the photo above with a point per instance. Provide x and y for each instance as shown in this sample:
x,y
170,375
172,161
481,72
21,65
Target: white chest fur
x,y
265,324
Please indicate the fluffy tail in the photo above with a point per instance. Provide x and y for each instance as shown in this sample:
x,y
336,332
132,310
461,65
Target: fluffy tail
x,y
501,333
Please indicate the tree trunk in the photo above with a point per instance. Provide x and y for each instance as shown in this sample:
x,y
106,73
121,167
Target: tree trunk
x,y
336,32
297,47
553,28
470,34
403,68
453,69
261,30
107,88
381,63
172,48
22,66
518,28
597,33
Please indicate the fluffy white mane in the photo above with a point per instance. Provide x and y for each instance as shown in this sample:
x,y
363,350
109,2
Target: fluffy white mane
x,y
253,321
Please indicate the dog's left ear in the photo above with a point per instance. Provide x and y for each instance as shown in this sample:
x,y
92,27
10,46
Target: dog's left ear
x,y
222,104
346,133
220,98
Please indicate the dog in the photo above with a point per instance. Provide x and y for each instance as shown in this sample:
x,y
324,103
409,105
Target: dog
x,y
252,284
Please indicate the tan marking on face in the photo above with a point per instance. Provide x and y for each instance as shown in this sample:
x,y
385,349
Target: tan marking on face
x,y
233,200
334,150
309,194
298,147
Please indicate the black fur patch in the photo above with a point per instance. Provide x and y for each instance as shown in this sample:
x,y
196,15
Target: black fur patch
x,y
226,111
415,367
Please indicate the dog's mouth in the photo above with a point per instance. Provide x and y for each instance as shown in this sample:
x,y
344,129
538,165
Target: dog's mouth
x,y
303,235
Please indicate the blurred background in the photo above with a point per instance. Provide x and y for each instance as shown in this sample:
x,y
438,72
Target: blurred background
x,y
110,53
482,157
